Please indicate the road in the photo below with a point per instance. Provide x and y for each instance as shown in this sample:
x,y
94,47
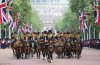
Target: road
x,y
89,57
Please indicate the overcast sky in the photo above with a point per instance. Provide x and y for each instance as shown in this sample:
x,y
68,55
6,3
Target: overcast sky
x,y
64,1
57,7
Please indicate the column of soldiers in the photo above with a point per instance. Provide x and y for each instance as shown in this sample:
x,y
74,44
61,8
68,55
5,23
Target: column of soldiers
x,y
46,43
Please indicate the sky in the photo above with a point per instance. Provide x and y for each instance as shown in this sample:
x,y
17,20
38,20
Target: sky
x,y
50,5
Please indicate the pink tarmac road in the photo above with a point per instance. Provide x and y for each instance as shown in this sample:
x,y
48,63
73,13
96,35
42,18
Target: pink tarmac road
x,y
89,57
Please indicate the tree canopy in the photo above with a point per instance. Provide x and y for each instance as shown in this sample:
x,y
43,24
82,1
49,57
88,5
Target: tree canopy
x,y
71,16
68,22
27,14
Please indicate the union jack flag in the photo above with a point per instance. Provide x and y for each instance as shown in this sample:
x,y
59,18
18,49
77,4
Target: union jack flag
x,y
2,5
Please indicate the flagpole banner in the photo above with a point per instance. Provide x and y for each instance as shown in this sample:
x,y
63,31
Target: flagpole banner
x,y
96,10
83,19
2,5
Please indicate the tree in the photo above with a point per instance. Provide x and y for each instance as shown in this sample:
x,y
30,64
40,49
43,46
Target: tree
x,y
77,5
27,14
68,22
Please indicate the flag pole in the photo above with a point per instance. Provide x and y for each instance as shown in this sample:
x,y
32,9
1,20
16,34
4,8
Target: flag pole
x,y
99,35
87,35
0,31
9,33
89,32
84,34
94,32
5,31
18,32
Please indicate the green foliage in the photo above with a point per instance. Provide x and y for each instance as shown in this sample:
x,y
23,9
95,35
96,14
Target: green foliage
x,y
68,22
76,5
27,14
